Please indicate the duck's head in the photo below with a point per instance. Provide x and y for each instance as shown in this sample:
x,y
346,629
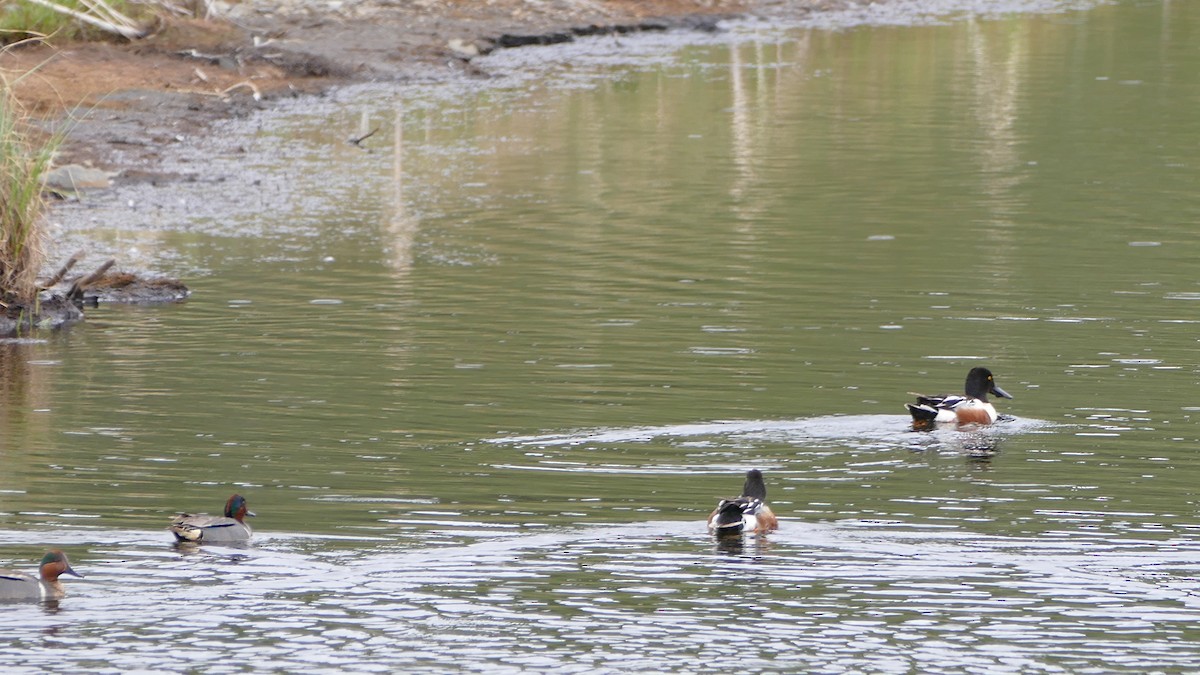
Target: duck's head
x,y
236,508
54,564
754,486
980,383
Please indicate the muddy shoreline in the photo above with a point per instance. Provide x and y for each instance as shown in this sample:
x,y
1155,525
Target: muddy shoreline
x,y
130,102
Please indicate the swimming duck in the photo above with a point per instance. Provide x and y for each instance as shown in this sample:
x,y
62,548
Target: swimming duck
x,y
747,513
17,586
206,529
971,408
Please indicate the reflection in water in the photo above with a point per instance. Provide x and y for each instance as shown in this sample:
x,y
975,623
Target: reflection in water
x,y
743,118
743,544
971,441
980,447
401,225
51,608
997,86
26,395
730,543
999,65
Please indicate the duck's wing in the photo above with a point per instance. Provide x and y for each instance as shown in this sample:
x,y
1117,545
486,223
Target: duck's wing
x,y
752,506
755,513
184,527
943,401
17,586
191,527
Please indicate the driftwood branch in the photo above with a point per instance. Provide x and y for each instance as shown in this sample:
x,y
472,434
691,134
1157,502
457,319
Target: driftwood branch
x,y
357,140
119,24
62,271
247,84
364,131
81,284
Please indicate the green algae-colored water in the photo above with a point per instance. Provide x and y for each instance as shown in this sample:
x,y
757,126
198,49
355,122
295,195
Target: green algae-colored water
x,y
483,381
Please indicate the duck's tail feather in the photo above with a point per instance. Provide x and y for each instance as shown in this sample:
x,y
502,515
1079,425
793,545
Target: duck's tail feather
x,y
728,519
187,533
922,412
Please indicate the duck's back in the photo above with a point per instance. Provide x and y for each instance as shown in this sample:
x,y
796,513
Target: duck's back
x,y
209,529
18,586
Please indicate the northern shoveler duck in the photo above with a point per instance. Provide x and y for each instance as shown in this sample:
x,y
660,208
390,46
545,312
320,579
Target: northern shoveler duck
x,y
206,529
972,407
747,513
17,586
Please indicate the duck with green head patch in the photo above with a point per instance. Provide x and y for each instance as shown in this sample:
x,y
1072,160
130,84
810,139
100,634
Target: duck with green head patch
x,y
21,587
205,529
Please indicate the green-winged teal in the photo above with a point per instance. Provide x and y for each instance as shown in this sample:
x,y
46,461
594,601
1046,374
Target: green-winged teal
x,y
747,513
972,407
206,529
17,586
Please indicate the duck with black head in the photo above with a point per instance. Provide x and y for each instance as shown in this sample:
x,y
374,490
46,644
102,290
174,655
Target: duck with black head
x,y
746,513
971,407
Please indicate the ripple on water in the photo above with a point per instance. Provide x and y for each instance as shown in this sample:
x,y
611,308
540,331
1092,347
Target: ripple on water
x,y
882,431
647,596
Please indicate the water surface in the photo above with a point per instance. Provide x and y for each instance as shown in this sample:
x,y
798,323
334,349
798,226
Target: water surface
x,y
483,381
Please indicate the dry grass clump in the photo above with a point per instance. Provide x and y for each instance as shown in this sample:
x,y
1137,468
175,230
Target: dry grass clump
x,y
90,19
75,19
24,163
